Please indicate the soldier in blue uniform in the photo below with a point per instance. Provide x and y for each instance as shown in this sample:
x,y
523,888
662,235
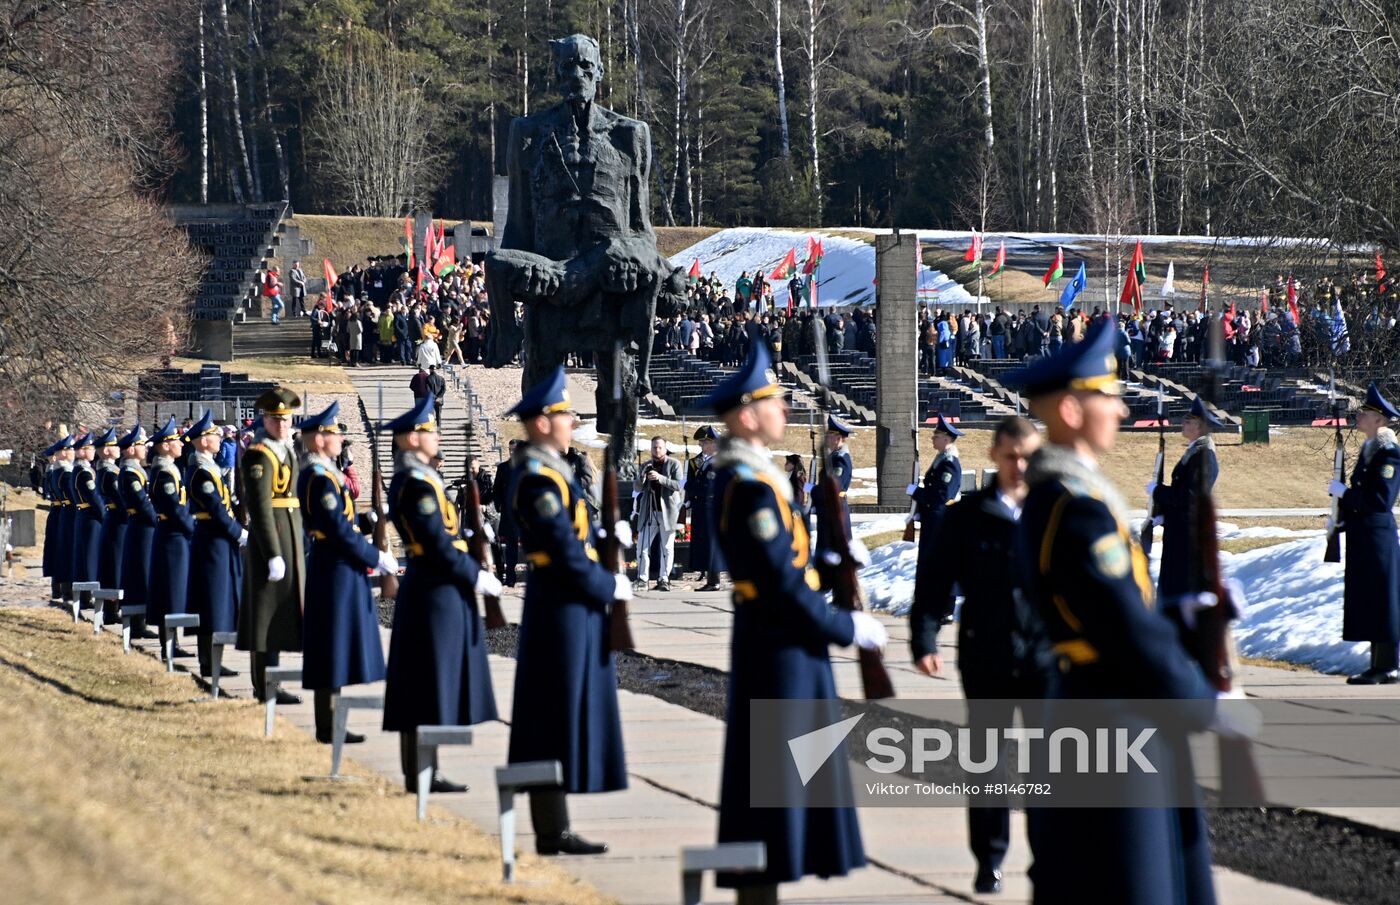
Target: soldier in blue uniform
x,y
1175,503
703,556
1001,650
54,564
941,486
216,560
113,532
140,524
1371,602
87,521
342,644
67,518
783,626
838,459
438,673
565,706
1090,585
170,544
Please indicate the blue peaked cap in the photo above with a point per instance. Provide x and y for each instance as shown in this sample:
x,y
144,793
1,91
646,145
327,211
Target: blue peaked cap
x,y
1087,365
84,440
947,427
136,435
418,418
1378,403
325,421
59,446
169,431
753,381
1199,410
546,397
106,438
202,427
836,424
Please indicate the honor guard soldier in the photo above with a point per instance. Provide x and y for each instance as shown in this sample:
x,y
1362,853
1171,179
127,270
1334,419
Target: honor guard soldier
x,y
438,673
783,626
216,561
113,533
565,706
55,562
273,580
1090,585
1175,503
170,544
839,461
1001,649
1371,601
703,556
941,486
342,644
68,517
87,521
140,524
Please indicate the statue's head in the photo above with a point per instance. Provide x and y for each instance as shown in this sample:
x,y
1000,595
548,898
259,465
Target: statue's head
x,y
578,67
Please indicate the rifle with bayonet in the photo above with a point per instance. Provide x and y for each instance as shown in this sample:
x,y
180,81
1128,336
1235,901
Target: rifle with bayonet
x,y
610,545
1339,473
1158,474
388,581
1210,641
478,544
913,515
846,592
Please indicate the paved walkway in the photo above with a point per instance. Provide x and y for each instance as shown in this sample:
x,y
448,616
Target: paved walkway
x,y
674,763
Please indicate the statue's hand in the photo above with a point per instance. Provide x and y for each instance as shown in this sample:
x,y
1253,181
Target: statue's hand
x,y
537,280
622,276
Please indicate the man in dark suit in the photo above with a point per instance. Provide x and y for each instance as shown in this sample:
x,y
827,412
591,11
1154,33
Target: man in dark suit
x,y
508,535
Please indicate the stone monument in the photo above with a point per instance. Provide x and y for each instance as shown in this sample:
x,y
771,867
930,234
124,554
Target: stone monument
x,y
578,250
897,414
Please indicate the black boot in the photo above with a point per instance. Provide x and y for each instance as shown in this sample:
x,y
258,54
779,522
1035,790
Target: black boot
x,y
988,880
568,843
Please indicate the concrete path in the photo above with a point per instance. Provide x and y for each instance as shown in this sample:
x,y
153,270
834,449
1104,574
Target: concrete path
x,y
674,765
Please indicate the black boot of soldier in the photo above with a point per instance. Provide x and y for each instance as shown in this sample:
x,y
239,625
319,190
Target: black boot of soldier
x,y
323,705
549,812
1383,666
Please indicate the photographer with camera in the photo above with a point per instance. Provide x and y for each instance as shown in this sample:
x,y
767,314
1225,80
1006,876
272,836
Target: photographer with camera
x,y
658,500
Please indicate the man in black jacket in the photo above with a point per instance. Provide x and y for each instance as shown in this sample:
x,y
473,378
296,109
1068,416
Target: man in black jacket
x,y
1001,652
508,534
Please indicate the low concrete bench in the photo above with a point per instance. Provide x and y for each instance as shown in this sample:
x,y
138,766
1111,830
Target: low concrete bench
x,y
727,857
168,632
126,613
100,598
343,705
273,679
217,642
511,779
431,738
80,588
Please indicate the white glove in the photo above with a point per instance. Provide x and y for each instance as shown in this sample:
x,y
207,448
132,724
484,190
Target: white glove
x,y
1330,526
1191,604
623,532
276,569
1158,520
807,488
912,489
622,588
488,585
1151,486
1235,720
383,508
1235,589
870,633
387,564
1336,489
910,519
859,552
490,534
243,538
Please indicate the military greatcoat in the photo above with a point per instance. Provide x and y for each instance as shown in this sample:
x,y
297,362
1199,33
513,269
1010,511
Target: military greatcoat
x,y
270,616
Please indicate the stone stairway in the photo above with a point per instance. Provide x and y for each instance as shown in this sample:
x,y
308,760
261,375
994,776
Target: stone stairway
x,y
260,338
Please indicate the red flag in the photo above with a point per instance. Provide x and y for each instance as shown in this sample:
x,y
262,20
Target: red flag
x,y
1132,292
331,277
1293,300
1205,285
694,273
785,267
974,251
1139,267
445,263
1264,300
408,240
1056,270
1232,312
1001,260
1380,269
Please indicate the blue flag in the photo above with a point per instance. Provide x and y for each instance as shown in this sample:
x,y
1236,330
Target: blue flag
x,y
1076,286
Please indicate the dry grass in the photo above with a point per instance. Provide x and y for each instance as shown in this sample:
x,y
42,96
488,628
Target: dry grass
x,y
882,538
1245,544
298,372
350,240
117,789
673,239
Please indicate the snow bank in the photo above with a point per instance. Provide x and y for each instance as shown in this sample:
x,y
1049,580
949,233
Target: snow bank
x,y
847,275
889,579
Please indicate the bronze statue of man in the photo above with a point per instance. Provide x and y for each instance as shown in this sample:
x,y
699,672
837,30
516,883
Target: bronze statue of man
x,y
578,247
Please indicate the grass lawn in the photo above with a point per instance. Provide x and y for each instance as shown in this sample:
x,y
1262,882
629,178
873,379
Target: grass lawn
x,y
298,372
117,789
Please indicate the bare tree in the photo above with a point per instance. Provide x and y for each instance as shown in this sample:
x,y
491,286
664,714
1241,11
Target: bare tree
x,y
371,132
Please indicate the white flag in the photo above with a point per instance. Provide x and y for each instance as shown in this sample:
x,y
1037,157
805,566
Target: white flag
x,y
1169,284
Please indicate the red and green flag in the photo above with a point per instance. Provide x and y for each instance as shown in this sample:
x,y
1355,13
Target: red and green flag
x,y
786,267
1205,286
1057,269
694,274
1001,260
408,240
1132,292
974,251
1293,300
1139,267
331,277
445,263
1380,269
814,256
